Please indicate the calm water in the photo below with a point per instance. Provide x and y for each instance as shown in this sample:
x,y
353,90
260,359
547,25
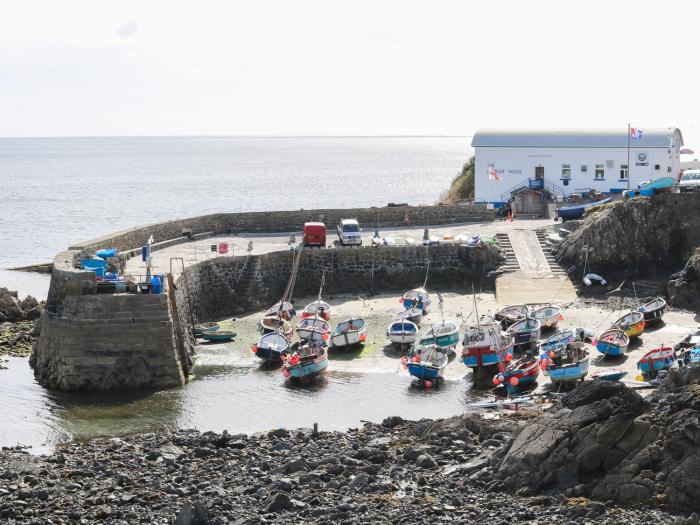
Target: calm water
x,y
60,191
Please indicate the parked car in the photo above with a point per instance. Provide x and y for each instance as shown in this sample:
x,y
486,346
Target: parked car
x,y
690,181
349,232
314,234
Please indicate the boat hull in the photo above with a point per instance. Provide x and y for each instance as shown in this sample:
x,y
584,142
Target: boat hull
x,y
424,371
659,359
443,341
307,371
610,348
556,340
568,373
485,356
348,339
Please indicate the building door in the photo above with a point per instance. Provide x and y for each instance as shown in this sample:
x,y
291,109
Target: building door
x,y
539,172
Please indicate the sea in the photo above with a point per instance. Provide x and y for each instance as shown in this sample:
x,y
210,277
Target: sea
x,y
55,192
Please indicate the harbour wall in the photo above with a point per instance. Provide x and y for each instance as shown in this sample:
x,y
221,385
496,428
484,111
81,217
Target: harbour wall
x,y
91,341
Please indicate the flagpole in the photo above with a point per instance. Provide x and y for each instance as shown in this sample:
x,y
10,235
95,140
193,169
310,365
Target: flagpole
x,y
629,166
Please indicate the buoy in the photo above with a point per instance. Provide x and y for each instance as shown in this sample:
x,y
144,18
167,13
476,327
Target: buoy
x,y
401,300
253,348
428,384
561,317
594,342
404,360
552,355
363,337
509,357
514,381
640,378
495,380
287,373
294,360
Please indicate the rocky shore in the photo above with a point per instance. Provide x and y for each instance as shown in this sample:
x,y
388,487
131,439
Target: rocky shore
x,y
601,454
18,318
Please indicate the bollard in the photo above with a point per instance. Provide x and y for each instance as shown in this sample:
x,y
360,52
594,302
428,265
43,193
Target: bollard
x,y
315,431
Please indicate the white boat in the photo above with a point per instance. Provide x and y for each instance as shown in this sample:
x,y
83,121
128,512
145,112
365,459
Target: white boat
x,y
349,332
284,309
319,308
548,315
444,335
402,332
271,347
273,323
313,329
418,298
415,315
427,363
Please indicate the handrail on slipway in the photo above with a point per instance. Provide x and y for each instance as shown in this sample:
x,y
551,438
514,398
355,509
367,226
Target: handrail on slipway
x,y
548,185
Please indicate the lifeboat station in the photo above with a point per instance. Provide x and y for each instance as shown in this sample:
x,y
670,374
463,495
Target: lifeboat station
x,y
529,168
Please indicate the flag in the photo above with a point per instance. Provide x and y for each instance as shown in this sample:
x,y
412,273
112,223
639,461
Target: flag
x,y
493,175
636,133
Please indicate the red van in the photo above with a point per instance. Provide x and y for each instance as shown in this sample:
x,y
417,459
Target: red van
x,y
314,234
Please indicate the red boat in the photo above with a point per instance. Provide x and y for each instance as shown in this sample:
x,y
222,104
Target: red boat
x,y
518,374
657,359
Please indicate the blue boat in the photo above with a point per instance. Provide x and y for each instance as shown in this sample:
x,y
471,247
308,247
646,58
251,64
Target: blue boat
x,y
525,331
518,374
309,361
691,356
417,298
202,328
219,335
609,375
271,347
569,364
613,342
561,338
427,363
444,334
568,213
486,345
664,183
657,359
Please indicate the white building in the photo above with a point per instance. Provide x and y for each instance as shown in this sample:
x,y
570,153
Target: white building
x,y
568,161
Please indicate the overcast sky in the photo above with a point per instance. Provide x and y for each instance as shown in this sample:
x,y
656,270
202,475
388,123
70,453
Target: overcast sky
x,y
198,67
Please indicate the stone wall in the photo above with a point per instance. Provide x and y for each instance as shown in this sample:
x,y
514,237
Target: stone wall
x,y
227,286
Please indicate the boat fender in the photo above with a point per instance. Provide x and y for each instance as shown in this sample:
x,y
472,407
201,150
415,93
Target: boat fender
x,y
254,349
514,381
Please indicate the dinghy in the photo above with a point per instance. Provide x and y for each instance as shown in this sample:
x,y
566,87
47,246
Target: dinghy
x,y
317,308
549,315
352,331
284,310
402,332
415,315
654,310
219,335
418,298
567,213
613,342
561,338
657,359
309,361
313,329
691,356
566,363
510,314
444,334
272,323
519,374
525,331
203,328
632,324
427,363
609,375
271,347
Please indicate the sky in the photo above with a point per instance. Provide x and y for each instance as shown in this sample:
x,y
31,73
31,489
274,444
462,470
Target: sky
x,y
303,67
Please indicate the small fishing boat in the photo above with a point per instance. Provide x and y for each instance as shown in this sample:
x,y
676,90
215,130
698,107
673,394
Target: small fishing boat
x,y
561,338
566,363
654,310
549,315
418,298
632,324
444,334
511,403
427,363
525,331
272,323
317,308
660,185
689,341
352,331
510,314
567,213
614,374
313,329
309,361
219,335
518,374
485,346
271,347
203,328
283,309
691,356
657,359
415,315
613,342
402,332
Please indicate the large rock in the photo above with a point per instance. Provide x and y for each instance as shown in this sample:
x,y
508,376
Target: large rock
x,y
684,287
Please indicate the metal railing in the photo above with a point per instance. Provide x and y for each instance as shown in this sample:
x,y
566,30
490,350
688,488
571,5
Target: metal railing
x,y
530,183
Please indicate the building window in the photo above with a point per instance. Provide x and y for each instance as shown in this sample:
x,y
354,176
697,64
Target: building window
x,y
668,169
624,172
584,168
657,167
566,171
566,181
599,172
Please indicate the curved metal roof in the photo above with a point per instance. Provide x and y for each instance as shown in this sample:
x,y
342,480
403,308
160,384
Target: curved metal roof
x,y
574,138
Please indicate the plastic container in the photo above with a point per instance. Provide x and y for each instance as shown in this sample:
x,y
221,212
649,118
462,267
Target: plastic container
x,y
109,252
156,285
89,264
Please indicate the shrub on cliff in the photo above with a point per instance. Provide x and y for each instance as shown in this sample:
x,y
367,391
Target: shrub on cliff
x,y
462,186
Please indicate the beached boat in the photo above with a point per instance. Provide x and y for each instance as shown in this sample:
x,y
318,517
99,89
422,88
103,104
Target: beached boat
x,y
317,308
614,374
561,338
272,323
613,342
444,334
654,310
657,359
691,356
402,332
567,213
313,329
271,347
307,362
485,346
525,331
510,314
632,324
566,363
659,185
549,315
427,363
352,331
518,374
415,315
203,328
219,335
283,309
689,341
418,298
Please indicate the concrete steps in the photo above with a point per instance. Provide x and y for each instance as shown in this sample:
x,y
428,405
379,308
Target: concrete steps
x,y
511,263
548,243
